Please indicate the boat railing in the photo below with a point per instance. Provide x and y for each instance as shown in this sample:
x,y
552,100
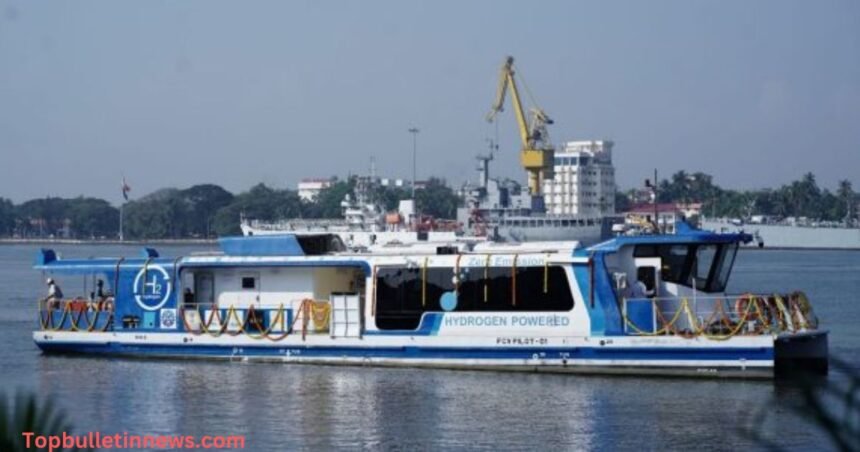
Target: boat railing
x,y
312,224
719,316
307,316
75,314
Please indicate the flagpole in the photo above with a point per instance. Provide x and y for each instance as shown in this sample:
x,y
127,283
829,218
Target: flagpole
x,y
120,221
125,190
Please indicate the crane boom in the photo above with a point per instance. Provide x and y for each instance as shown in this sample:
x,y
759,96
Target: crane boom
x,y
537,153
506,80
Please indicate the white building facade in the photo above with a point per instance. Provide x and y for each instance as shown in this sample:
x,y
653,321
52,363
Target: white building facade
x,y
584,180
309,189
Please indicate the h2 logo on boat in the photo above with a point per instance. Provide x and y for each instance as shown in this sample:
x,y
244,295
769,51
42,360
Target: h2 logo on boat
x,y
152,287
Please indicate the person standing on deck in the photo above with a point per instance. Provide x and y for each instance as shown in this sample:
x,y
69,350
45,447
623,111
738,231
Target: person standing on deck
x,y
55,294
640,290
100,290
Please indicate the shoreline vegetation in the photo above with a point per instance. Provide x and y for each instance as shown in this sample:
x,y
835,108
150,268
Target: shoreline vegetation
x,y
201,213
198,213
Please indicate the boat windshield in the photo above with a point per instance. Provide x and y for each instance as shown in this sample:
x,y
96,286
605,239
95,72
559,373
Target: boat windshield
x,y
705,266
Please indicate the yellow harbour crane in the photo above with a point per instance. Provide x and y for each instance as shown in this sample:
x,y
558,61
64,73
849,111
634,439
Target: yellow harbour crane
x,y
537,152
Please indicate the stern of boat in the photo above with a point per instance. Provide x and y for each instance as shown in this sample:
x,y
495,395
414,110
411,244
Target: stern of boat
x,y
801,351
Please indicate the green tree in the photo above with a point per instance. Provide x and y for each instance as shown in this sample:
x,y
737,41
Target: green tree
x,y
666,192
389,197
154,216
92,218
261,203
173,213
77,217
805,197
42,217
764,201
686,188
734,204
7,217
847,199
202,203
623,202
680,187
437,199
328,202
800,198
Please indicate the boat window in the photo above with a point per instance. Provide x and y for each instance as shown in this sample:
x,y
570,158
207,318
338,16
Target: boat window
x,y
675,266
675,263
703,264
314,245
399,292
249,282
710,264
204,289
645,251
494,293
724,267
401,298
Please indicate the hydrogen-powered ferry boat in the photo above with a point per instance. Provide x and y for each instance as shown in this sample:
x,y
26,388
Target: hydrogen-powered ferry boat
x,y
643,305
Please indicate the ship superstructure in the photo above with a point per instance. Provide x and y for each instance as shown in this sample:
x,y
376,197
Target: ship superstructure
x,y
577,207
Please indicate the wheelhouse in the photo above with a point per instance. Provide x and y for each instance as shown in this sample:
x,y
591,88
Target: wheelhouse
x,y
705,266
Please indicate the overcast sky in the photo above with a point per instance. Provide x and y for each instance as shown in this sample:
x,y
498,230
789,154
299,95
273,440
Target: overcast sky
x,y
175,93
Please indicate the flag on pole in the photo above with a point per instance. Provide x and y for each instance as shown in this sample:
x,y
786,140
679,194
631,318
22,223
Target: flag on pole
x,y
125,189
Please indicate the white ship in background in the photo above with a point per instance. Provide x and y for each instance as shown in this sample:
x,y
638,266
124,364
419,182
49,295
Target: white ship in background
x,y
365,224
801,233
578,202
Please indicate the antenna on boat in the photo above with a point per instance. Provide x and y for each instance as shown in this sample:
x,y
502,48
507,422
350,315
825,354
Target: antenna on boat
x,y
653,187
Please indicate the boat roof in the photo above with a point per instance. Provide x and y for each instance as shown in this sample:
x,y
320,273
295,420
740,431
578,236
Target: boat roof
x,y
327,249
48,260
295,250
684,234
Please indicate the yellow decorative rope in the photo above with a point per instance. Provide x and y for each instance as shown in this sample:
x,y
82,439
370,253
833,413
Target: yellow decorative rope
x,y
457,274
486,279
514,281
546,274
424,282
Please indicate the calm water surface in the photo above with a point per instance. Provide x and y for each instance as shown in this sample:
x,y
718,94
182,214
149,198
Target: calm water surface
x,y
282,407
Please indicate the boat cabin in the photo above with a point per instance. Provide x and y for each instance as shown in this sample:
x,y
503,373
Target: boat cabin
x,y
273,286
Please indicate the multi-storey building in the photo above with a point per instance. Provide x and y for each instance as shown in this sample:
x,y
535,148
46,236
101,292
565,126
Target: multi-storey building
x,y
584,180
